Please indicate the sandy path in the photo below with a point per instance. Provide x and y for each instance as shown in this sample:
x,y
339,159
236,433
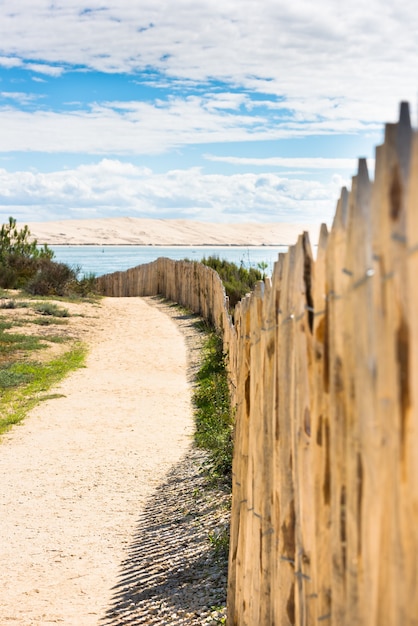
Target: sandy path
x,y
76,473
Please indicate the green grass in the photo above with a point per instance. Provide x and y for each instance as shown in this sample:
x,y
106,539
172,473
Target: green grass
x,y
213,412
33,380
214,421
13,303
24,381
10,343
49,308
13,375
48,321
219,541
4,324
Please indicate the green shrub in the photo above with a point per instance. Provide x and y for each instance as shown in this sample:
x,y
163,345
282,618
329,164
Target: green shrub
x,y
237,280
20,256
86,286
51,279
25,265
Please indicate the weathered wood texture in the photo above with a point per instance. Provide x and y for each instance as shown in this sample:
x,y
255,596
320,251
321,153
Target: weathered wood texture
x,y
324,363
325,502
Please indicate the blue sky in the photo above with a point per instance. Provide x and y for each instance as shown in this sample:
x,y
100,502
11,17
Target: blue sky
x,y
232,111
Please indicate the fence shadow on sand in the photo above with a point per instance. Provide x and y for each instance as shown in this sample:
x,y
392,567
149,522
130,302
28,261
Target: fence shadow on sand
x,y
170,574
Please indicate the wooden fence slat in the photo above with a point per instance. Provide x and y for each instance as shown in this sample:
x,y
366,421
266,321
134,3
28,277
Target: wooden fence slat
x,y
321,433
333,432
284,608
300,418
268,351
389,251
241,485
361,442
410,473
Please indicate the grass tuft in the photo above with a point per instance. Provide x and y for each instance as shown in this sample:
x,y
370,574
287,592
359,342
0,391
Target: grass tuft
x,y
11,342
213,414
219,540
16,401
49,308
13,376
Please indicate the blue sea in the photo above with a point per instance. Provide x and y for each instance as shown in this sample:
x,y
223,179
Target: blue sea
x,y
101,260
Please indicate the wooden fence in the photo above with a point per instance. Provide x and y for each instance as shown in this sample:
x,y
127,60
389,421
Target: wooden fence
x,y
191,284
324,358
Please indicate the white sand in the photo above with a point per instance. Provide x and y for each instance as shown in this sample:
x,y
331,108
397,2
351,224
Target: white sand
x,y
138,231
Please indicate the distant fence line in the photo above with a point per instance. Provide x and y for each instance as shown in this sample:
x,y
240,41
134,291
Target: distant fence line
x,y
324,362
191,284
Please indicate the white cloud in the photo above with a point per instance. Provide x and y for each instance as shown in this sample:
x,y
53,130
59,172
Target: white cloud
x,y
361,53
113,188
232,101
40,68
18,96
10,62
151,128
305,163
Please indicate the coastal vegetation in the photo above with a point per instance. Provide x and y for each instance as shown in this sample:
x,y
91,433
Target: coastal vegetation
x,y
237,279
26,265
213,411
36,352
214,424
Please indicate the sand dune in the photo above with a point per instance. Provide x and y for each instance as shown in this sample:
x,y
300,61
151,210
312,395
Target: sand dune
x,y
165,232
